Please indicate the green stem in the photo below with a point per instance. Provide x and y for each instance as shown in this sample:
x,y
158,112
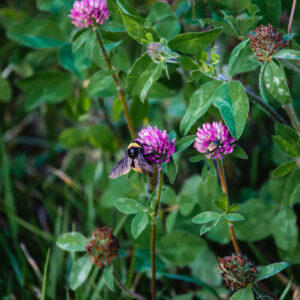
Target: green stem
x,y
131,268
222,177
153,234
126,290
221,172
266,290
265,107
119,88
292,16
120,225
289,108
109,123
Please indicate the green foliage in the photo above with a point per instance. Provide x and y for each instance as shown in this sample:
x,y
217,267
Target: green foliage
x,y
242,59
101,85
142,76
232,217
288,54
45,87
128,206
139,223
276,84
108,277
135,26
271,270
73,241
243,294
239,152
63,128
185,142
37,33
180,248
5,90
43,295
232,102
193,43
80,271
199,104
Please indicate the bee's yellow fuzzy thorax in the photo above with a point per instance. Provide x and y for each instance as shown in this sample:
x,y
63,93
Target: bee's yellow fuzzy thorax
x,y
135,145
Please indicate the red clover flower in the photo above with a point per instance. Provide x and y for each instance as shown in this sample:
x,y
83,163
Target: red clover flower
x,y
156,145
265,41
214,140
103,246
237,271
87,13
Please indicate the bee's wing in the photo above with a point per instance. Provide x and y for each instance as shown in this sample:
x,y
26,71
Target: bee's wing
x,y
121,168
142,165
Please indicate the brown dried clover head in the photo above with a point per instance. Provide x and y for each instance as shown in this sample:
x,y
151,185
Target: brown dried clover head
x,y
103,246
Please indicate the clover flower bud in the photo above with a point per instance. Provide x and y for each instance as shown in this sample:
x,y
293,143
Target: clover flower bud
x,y
157,52
237,271
103,246
265,41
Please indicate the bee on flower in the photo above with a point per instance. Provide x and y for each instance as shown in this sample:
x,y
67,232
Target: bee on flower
x,y
214,140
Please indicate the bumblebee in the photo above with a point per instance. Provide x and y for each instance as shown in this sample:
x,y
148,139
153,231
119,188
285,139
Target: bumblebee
x,y
133,158
212,147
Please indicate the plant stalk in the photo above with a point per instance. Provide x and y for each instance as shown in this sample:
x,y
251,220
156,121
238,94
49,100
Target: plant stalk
x,y
291,19
266,290
289,108
119,88
153,235
292,16
221,173
125,289
267,108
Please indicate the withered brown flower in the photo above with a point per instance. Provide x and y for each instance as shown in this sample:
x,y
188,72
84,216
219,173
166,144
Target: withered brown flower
x,y
265,41
103,246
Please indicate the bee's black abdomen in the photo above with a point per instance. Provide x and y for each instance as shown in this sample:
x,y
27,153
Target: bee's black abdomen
x,y
133,152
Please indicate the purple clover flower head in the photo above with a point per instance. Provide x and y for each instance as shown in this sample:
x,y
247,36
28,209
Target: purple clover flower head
x,y
214,140
87,13
156,145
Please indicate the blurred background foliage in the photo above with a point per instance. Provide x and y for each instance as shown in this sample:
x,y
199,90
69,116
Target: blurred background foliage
x,y
62,128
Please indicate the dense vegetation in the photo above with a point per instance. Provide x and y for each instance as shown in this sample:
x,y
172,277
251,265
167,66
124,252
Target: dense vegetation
x,y
74,96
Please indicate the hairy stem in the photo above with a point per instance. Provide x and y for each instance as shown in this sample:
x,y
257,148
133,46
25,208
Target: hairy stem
x,y
126,290
291,23
119,88
289,108
291,65
266,290
221,173
292,16
108,122
153,235
266,107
